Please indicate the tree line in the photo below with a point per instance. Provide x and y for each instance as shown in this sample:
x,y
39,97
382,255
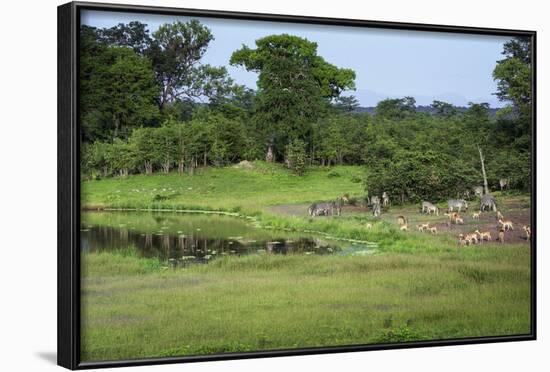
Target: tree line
x,y
149,104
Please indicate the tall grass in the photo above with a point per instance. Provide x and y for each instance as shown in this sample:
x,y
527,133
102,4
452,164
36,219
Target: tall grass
x,y
265,302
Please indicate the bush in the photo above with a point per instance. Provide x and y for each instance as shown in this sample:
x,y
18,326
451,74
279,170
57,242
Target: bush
x,y
296,156
333,174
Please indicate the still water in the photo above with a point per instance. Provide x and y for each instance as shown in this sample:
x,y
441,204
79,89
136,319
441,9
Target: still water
x,y
180,239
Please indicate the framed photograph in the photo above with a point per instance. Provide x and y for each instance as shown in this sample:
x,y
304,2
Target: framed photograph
x,y
238,185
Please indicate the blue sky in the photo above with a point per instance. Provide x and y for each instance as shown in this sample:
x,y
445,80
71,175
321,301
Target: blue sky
x,y
389,63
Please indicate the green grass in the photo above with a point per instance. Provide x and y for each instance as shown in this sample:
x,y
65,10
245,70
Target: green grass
x,y
416,287
134,308
229,189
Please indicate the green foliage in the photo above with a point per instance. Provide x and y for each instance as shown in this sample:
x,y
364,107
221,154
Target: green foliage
x,y
513,74
444,109
95,160
118,91
176,51
295,86
333,173
296,156
398,108
120,157
414,176
209,138
133,35
144,90
127,75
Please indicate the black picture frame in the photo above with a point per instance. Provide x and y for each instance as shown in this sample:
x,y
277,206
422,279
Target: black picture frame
x,y
68,318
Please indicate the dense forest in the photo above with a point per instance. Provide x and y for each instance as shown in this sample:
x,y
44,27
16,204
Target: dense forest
x,y
148,103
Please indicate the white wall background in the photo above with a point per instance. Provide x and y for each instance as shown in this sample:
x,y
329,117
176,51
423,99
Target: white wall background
x,y
28,184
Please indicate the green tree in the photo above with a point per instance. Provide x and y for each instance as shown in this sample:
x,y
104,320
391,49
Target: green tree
x,y
121,156
295,86
176,52
444,109
95,159
133,35
396,109
513,74
296,156
146,145
346,104
118,91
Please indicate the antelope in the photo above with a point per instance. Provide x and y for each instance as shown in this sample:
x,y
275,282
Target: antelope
x,y
401,220
369,226
345,198
471,239
467,239
501,235
499,216
486,235
404,227
475,215
453,216
527,230
423,227
459,220
433,230
385,199
506,225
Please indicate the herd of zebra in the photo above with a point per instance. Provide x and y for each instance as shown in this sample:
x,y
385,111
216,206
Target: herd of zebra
x,y
331,208
454,208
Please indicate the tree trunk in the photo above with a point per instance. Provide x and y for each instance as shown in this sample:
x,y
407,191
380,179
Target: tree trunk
x,y
204,159
166,167
148,167
192,166
269,156
117,125
181,166
482,159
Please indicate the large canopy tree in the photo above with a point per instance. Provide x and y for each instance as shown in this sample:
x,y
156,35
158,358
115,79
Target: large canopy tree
x,y
134,35
514,86
118,90
295,86
176,52
513,74
396,108
174,55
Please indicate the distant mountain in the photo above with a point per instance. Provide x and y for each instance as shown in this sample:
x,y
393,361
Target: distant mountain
x,y
426,109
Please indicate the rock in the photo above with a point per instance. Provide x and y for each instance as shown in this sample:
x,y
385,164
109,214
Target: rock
x,y
245,164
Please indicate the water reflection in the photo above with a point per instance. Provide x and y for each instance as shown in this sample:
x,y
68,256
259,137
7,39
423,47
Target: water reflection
x,y
194,246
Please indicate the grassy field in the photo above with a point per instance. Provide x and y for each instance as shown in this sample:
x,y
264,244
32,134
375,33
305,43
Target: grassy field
x,y
133,308
415,287
230,189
